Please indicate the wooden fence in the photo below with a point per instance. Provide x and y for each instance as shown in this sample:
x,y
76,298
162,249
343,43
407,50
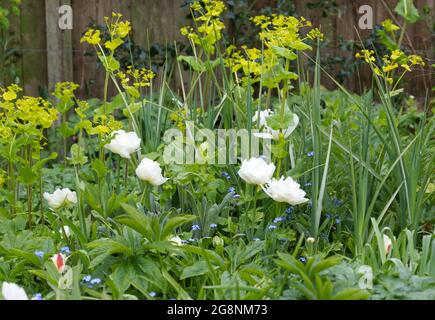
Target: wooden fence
x,y
49,54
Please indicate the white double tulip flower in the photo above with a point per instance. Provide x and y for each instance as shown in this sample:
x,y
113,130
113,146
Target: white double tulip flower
x,y
150,171
285,190
256,171
11,291
123,143
60,198
268,132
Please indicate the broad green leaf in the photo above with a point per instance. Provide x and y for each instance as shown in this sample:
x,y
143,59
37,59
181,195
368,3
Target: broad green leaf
x,y
113,44
407,10
352,294
77,155
197,269
300,45
277,122
193,62
109,63
284,53
137,221
27,176
99,167
175,222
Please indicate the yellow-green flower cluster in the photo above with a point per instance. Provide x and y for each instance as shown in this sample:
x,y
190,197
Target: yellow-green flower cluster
x,y
284,31
101,125
92,36
26,115
65,91
397,59
2,177
138,77
282,38
389,26
180,117
134,79
118,30
206,15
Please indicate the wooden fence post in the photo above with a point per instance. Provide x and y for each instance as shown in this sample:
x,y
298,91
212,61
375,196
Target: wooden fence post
x,y
59,46
33,41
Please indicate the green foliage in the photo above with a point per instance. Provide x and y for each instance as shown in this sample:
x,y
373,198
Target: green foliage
x,y
365,162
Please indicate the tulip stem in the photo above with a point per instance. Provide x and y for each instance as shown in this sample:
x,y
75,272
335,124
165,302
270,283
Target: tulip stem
x,y
41,200
29,189
255,189
278,168
12,187
118,171
126,173
67,239
143,200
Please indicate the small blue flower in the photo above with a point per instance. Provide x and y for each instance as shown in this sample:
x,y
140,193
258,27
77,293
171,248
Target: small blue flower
x,y
337,221
236,196
256,239
152,294
195,227
308,184
278,219
328,216
302,259
272,227
213,225
65,250
95,281
37,296
310,203
337,202
231,190
39,254
289,210
226,175
87,278
310,154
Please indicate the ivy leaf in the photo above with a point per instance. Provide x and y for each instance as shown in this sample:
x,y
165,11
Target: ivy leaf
x,y
407,10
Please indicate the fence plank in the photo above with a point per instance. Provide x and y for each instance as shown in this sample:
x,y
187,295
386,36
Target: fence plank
x,y
84,64
33,38
160,21
59,46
